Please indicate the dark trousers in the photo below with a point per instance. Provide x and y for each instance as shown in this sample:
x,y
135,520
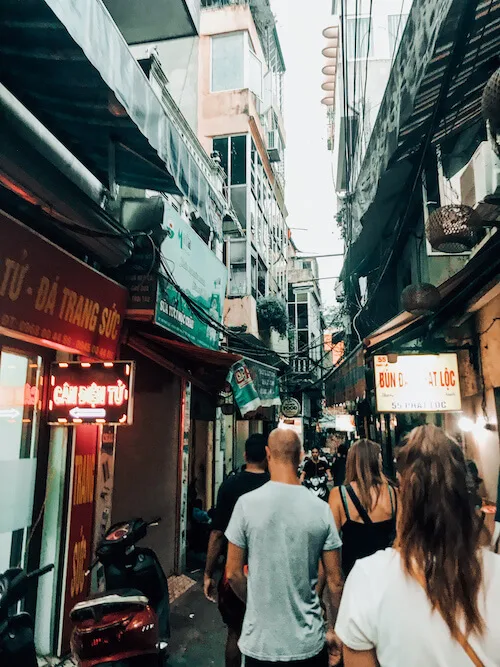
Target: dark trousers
x,y
320,660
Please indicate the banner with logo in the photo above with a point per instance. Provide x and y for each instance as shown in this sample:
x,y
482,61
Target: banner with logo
x,y
254,386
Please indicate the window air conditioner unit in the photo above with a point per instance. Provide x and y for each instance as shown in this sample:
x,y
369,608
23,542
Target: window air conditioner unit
x,y
274,146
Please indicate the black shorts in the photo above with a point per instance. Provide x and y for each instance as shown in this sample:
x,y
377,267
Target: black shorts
x,y
320,660
231,608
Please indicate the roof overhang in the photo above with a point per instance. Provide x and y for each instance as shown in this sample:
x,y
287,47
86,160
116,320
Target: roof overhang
x,y
163,20
424,58
68,63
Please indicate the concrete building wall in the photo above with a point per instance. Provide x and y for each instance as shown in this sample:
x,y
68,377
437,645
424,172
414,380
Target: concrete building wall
x,y
146,469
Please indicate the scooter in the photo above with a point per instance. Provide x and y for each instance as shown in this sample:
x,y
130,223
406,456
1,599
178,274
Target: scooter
x,y
17,643
129,624
318,486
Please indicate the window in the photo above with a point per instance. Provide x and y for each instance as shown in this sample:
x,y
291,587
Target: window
x,y
307,265
255,71
302,316
396,26
233,155
228,62
220,146
238,160
359,38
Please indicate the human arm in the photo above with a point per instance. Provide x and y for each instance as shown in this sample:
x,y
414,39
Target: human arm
x,y
334,581
359,658
236,559
302,477
335,503
216,546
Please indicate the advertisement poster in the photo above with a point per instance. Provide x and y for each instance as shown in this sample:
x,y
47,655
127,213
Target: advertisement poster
x,y
81,524
189,263
47,294
103,497
417,383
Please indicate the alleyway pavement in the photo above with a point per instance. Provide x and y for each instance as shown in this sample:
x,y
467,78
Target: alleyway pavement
x,y
198,634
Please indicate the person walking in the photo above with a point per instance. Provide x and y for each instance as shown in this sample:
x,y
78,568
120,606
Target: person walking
x,y
283,531
433,599
232,609
339,464
316,474
365,509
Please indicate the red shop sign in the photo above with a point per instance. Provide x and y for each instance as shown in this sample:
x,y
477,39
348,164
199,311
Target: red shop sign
x,y
47,294
81,524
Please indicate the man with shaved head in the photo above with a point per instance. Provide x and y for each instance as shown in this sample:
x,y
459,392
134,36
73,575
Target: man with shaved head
x,y
283,531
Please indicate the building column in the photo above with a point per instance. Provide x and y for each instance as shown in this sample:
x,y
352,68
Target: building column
x,y
184,433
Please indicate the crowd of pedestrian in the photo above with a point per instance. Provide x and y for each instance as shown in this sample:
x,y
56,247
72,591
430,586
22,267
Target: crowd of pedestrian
x,y
405,568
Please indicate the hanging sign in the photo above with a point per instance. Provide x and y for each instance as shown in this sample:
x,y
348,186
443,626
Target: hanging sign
x,y
290,407
91,393
417,383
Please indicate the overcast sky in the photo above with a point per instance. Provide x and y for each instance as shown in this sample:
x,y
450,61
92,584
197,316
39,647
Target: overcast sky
x,y
310,195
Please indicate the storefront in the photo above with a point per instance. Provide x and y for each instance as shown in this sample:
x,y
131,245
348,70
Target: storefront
x,y
52,307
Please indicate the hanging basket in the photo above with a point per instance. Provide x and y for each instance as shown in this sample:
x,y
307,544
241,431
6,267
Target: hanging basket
x,y
451,228
490,102
420,299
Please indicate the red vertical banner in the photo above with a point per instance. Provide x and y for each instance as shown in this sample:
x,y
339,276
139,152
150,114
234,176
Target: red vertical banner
x,y
81,524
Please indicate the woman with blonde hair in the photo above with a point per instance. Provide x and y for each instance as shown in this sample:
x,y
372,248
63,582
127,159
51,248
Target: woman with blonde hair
x,y
434,599
365,509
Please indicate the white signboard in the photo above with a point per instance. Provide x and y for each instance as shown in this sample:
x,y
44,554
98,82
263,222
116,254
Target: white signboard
x,y
418,383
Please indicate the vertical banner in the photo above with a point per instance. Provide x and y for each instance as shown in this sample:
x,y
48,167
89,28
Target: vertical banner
x,y
80,525
103,497
185,425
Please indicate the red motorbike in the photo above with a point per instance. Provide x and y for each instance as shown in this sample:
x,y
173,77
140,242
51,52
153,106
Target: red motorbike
x,y
128,625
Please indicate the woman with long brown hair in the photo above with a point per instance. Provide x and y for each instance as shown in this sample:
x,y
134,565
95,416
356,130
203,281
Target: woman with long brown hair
x,y
434,599
365,509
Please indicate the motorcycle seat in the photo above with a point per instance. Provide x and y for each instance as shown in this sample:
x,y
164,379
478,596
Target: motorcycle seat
x,y
109,601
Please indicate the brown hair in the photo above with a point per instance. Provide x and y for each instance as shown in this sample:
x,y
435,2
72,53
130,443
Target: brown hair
x,y
364,467
438,532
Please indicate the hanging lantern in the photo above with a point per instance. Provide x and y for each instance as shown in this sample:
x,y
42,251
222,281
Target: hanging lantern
x,y
450,228
490,103
420,299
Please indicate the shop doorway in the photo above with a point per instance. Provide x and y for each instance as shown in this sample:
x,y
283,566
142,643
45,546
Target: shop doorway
x,y
21,384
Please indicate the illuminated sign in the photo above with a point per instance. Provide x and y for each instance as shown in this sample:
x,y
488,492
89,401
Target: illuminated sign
x,y
417,383
91,393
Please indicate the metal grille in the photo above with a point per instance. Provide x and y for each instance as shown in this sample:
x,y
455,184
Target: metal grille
x,y
490,103
420,299
450,229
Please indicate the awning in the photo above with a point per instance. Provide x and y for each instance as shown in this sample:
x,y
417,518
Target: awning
x,y
348,381
206,369
459,295
425,55
70,66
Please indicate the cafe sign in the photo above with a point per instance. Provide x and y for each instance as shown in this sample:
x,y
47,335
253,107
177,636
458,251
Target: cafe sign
x,y
49,297
91,393
417,383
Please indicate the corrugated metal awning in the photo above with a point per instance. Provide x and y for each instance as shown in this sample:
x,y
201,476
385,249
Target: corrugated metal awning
x,y
68,63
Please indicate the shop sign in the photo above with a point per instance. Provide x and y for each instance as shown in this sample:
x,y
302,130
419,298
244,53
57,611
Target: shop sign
x,y
192,266
290,407
254,386
48,295
91,393
417,383
266,383
81,525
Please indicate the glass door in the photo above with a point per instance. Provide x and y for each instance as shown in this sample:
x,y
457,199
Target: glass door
x,y
21,379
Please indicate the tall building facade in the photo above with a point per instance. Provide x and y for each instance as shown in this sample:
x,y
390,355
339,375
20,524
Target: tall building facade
x,y
240,123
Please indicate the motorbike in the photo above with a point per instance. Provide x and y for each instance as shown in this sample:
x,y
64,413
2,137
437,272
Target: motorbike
x,y
318,486
17,643
128,625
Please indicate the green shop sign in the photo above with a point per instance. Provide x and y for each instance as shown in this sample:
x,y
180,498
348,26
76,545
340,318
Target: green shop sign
x,y
200,275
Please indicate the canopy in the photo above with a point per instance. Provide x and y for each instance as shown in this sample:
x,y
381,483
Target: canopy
x,y
68,63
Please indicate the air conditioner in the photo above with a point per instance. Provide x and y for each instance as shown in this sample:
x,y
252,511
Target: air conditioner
x,y
478,179
274,147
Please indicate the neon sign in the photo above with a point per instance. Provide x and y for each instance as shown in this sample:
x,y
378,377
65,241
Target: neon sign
x,y
91,393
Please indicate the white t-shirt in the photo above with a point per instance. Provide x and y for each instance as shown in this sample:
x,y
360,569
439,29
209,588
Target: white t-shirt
x,y
383,608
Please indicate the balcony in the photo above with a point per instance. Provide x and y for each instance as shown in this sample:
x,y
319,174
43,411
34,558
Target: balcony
x,y
164,19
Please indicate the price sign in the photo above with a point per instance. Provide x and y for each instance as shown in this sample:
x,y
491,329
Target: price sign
x,y
91,393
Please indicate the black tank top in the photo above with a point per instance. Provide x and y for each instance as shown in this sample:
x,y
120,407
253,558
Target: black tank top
x,y
364,539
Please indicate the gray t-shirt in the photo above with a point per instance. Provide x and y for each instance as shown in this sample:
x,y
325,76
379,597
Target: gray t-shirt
x,y
284,529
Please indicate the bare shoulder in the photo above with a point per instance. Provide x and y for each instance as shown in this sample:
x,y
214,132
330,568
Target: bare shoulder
x,y
334,498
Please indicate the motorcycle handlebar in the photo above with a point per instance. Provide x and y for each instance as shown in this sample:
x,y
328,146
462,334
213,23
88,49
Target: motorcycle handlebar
x,y
41,571
155,521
